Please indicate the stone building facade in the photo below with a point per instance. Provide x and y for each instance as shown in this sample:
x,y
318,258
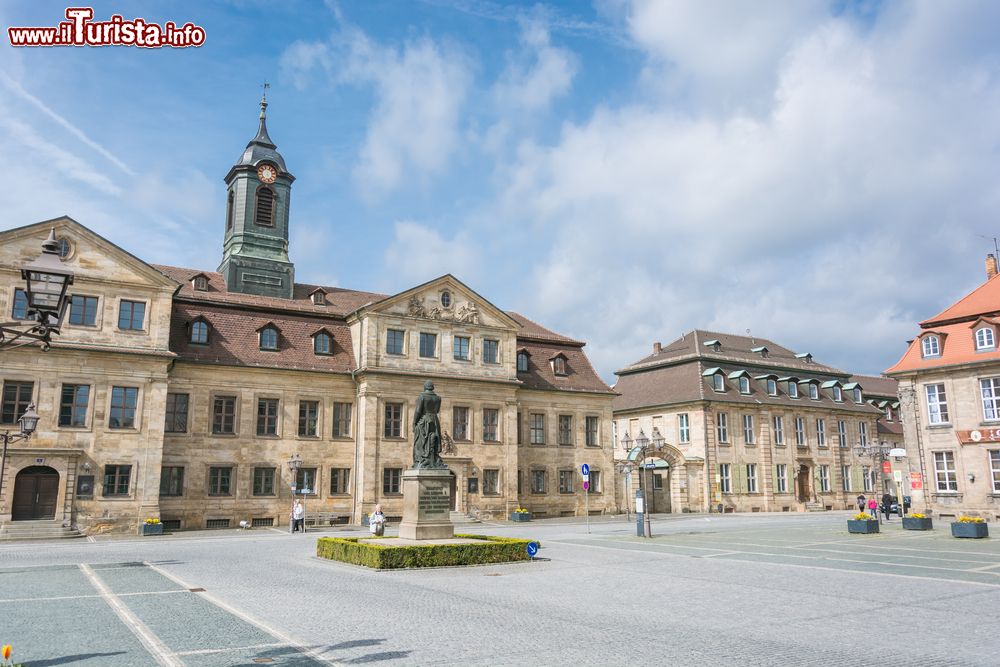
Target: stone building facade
x,y
949,389
746,425
182,393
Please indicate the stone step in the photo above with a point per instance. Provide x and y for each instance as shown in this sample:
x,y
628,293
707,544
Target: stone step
x,y
37,530
815,507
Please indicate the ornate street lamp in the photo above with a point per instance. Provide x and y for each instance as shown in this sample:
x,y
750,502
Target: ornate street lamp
x,y
46,280
642,443
294,464
28,423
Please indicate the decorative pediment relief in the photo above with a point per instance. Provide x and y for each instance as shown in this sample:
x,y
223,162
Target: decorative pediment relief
x,y
446,300
467,312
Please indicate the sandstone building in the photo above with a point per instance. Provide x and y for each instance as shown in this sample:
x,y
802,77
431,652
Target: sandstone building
x,y
181,393
746,425
949,388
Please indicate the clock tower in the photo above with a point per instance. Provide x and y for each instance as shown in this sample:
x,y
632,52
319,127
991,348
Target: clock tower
x,y
255,250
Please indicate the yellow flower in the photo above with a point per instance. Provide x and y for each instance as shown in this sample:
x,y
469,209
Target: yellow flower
x,y
970,519
7,651
917,515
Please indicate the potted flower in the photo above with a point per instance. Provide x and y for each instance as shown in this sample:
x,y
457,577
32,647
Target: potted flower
x,y
862,523
152,526
917,521
520,514
5,653
970,526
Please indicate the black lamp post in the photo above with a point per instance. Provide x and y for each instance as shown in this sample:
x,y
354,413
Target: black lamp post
x,y
28,422
637,449
46,281
877,452
294,464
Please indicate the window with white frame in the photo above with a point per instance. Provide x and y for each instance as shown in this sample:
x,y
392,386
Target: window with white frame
x,y
722,427
838,393
863,434
725,478
995,469
813,391
857,396
985,339
845,475
821,432
744,384
748,435
944,471
683,428
781,477
793,389
751,478
866,475
718,382
930,346
800,431
937,404
779,430
772,387
824,478
842,433
990,388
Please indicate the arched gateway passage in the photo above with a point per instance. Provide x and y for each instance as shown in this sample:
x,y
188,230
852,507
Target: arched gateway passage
x,y
36,490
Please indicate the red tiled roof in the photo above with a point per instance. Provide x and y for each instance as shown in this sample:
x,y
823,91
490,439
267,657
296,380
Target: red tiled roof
x,y
535,331
984,300
233,339
339,301
580,375
957,344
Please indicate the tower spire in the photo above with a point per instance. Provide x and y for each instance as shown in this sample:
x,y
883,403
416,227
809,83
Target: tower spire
x,y
263,101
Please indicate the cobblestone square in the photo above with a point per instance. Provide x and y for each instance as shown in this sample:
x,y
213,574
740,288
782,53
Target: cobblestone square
x,y
706,590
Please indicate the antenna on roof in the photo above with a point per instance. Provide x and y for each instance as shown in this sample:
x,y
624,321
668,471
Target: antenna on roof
x,y
752,341
996,244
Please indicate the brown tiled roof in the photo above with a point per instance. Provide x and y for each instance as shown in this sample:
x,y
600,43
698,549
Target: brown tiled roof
x,y
339,301
536,331
893,427
580,375
877,385
957,345
984,300
233,338
733,348
685,382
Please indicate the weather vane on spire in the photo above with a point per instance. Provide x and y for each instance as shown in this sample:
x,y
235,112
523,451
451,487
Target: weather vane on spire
x,y
263,99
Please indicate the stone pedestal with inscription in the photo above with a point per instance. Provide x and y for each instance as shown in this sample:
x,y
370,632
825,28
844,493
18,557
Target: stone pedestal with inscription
x,y
426,505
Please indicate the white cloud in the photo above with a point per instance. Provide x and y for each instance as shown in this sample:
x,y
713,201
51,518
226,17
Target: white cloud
x,y
816,222
536,75
418,253
420,88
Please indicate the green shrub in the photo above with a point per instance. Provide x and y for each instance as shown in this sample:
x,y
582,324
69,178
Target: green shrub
x,y
488,549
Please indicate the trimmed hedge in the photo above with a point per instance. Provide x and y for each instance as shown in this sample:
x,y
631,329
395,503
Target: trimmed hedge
x,y
489,549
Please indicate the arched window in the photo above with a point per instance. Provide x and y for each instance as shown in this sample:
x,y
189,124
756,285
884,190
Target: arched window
x,y
522,362
229,211
718,382
269,338
264,212
321,343
793,389
772,387
813,391
199,332
559,365
838,393
931,347
985,339
857,395
744,384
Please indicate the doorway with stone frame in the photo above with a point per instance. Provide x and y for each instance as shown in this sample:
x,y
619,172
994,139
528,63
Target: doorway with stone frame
x,y
803,480
36,492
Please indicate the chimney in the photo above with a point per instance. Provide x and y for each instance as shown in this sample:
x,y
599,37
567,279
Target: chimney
x,y
991,266
657,347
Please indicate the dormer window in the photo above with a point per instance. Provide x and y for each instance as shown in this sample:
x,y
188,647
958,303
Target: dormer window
x,y
718,382
263,215
805,356
931,346
813,391
715,345
199,332
857,395
318,297
985,339
762,351
269,338
772,387
838,393
322,343
522,362
793,389
559,364
744,384
200,283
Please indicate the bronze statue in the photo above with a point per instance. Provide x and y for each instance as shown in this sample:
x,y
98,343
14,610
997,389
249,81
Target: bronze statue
x,y
427,431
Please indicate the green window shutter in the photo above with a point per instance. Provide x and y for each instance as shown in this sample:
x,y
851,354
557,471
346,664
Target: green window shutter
x,y
857,479
740,477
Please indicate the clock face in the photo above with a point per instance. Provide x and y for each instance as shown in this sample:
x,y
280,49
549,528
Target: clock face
x,y
267,173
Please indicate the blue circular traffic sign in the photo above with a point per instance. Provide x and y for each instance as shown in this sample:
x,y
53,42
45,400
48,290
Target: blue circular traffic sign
x,y
532,549
585,469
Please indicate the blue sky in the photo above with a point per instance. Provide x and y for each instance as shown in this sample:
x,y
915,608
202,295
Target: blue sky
x,y
824,174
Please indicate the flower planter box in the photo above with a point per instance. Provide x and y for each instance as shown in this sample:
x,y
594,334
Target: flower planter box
x,y
152,529
520,516
910,523
975,530
862,527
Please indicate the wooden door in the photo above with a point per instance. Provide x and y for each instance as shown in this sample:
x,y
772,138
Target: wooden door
x,y
36,490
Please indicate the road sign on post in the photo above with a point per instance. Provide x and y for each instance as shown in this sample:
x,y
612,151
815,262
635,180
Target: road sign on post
x,y
585,470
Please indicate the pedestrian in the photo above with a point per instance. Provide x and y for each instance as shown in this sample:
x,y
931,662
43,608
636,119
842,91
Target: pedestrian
x,y
861,502
376,522
873,507
886,505
298,517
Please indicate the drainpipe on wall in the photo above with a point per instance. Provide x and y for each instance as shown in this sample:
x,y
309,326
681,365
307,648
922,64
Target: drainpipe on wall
x,y
356,423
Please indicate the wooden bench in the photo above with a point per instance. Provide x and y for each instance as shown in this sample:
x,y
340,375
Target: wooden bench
x,y
326,518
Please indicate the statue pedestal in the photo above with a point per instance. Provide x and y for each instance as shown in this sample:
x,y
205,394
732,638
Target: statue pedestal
x,y
426,505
